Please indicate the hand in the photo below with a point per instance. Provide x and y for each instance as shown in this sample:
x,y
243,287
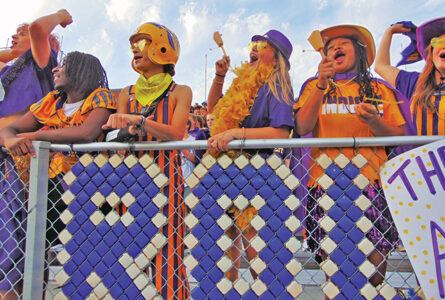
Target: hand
x,y
222,65
398,28
220,141
367,113
65,18
19,145
325,71
118,121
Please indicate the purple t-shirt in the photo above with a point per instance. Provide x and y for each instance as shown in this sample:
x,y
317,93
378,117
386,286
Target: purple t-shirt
x,y
25,83
406,83
268,111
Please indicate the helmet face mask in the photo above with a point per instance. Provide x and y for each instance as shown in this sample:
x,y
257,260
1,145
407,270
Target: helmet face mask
x,y
164,47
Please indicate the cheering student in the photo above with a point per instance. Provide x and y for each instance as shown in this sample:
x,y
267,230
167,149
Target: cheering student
x,y
157,109
426,90
345,101
258,105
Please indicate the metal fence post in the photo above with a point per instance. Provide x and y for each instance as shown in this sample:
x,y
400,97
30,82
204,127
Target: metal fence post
x,y
36,227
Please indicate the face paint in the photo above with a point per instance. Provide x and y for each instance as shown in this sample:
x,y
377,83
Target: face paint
x,y
259,45
139,44
438,42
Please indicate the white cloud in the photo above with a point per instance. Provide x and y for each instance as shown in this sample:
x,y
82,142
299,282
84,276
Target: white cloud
x,y
321,3
194,19
431,3
122,10
152,13
258,23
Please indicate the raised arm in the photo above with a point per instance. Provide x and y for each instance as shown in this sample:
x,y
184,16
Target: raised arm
x,y
221,67
307,115
40,31
383,65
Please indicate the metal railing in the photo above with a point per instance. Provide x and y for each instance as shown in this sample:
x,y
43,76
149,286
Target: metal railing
x,y
283,268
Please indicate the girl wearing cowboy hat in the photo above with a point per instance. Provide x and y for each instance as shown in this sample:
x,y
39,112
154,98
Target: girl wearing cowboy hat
x,y
426,90
257,105
335,104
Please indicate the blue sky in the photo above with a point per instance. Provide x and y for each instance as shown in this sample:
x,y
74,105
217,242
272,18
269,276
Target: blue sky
x,y
102,28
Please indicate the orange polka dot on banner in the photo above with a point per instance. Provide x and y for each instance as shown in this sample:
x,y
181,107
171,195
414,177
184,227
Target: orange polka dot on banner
x,y
420,182
401,203
432,281
424,150
425,252
406,220
410,204
419,217
426,262
418,238
429,164
423,272
423,227
405,231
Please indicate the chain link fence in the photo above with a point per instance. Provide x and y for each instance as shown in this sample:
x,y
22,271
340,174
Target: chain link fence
x,y
270,221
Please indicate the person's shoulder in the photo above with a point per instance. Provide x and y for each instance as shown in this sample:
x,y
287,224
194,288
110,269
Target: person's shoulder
x,y
182,89
183,93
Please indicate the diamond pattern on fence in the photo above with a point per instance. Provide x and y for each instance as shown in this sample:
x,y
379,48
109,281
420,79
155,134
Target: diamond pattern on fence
x,y
261,185
13,218
108,255
345,224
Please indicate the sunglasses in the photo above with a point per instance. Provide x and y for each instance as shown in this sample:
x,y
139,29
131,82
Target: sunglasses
x,y
61,59
139,44
260,45
438,42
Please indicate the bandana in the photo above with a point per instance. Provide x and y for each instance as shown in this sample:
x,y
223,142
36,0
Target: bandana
x,y
147,90
410,54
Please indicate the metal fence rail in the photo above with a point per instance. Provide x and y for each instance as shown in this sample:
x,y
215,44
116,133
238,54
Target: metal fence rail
x,y
122,229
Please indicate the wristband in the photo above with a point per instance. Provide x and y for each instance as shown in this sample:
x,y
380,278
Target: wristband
x,y
220,75
320,88
142,123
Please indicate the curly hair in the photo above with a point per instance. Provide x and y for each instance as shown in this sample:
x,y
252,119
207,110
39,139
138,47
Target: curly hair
x,y
364,77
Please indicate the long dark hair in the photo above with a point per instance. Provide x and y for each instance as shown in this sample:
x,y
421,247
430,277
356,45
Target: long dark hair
x,y
85,73
364,77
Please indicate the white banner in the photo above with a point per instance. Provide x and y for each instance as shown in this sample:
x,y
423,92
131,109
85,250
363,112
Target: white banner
x,y
414,186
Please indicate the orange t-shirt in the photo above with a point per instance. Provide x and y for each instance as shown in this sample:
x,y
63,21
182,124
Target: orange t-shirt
x,y
337,118
50,113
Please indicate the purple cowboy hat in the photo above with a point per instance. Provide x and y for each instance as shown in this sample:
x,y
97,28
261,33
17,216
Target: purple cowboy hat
x,y
279,41
428,31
